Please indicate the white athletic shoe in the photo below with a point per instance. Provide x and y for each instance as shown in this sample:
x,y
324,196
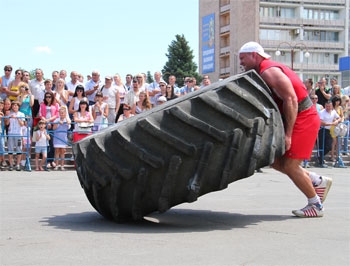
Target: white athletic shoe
x,y
323,188
309,211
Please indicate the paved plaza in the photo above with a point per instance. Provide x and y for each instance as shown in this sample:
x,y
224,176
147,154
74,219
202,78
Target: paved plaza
x,y
46,219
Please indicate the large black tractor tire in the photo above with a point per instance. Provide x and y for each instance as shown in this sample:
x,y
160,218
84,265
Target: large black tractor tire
x,y
178,151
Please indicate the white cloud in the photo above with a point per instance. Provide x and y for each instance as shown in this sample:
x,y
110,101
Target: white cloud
x,y
42,49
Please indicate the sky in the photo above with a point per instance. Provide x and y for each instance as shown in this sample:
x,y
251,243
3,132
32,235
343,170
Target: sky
x,y
111,36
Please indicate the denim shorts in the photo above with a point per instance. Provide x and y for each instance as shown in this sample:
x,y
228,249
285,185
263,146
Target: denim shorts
x,y
41,149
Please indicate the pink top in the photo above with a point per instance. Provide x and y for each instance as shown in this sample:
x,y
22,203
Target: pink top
x,y
54,110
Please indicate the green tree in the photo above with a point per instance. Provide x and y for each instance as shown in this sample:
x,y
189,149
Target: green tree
x,y
149,78
180,61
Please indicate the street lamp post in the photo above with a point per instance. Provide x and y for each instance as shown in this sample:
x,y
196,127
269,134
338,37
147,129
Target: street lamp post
x,y
293,47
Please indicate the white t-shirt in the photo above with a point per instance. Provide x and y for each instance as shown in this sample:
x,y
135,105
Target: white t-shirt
x,y
38,89
109,95
328,117
42,140
15,127
131,98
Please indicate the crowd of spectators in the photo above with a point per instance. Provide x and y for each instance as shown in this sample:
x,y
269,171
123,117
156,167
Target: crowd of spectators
x,y
54,108
77,106
332,104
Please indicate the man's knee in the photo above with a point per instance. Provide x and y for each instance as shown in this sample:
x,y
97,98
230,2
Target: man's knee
x,y
286,165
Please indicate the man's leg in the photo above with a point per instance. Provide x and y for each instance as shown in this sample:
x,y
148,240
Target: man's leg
x,y
321,184
291,167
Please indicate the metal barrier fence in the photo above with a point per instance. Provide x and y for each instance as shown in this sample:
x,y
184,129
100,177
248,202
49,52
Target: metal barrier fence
x,y
322,143
18,148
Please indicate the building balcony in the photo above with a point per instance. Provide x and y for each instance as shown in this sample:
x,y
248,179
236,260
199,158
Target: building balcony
x,y
224,29
224,50
317,67
225,8
297,22
312,46
224,70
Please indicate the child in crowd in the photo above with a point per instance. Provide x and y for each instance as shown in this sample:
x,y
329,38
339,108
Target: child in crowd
x,y
7,111
100,112
26,140
42,138
2,139
14,143
61,126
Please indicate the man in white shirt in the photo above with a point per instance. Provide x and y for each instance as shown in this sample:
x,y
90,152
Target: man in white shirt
x,y
72,84
329,117
111,97
132,96
153,88
92,86
37,87
5,81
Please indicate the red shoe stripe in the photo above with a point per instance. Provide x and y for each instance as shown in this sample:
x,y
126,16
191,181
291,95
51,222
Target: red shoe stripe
x,y
310,212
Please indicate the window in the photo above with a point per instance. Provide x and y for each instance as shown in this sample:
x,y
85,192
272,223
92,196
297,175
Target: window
x,y
320,14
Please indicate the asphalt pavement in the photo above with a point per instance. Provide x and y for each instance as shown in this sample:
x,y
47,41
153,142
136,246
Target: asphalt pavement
x,y
46,219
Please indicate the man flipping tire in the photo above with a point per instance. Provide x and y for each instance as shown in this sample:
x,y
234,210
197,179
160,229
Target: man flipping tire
x,y
301,124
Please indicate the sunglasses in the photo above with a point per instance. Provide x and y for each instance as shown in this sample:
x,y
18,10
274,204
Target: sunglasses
x,y
8,69
161,85
48,97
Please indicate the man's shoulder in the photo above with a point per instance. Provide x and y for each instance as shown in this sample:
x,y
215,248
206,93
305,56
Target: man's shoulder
x,y
89,84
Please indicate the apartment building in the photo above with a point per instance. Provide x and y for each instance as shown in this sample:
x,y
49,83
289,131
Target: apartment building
x,y
307,35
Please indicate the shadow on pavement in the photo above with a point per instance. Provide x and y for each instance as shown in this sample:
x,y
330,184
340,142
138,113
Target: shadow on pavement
x,y
173,221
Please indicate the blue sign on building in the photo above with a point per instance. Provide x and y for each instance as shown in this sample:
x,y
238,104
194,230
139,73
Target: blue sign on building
x,y
344,63
208,44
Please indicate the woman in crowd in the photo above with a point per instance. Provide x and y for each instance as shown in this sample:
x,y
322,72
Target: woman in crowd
x,y
48,113
336,101
82,115
61,93
79,94
13,88
61,127
142,105
336,91
345,103
121,91
170,92
26,100
100,112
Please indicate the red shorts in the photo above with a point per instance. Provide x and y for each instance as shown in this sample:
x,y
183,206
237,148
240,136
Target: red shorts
x,y
304,134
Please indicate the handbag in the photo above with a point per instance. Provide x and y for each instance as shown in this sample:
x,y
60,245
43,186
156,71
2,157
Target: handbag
x,y
340,130
85,127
